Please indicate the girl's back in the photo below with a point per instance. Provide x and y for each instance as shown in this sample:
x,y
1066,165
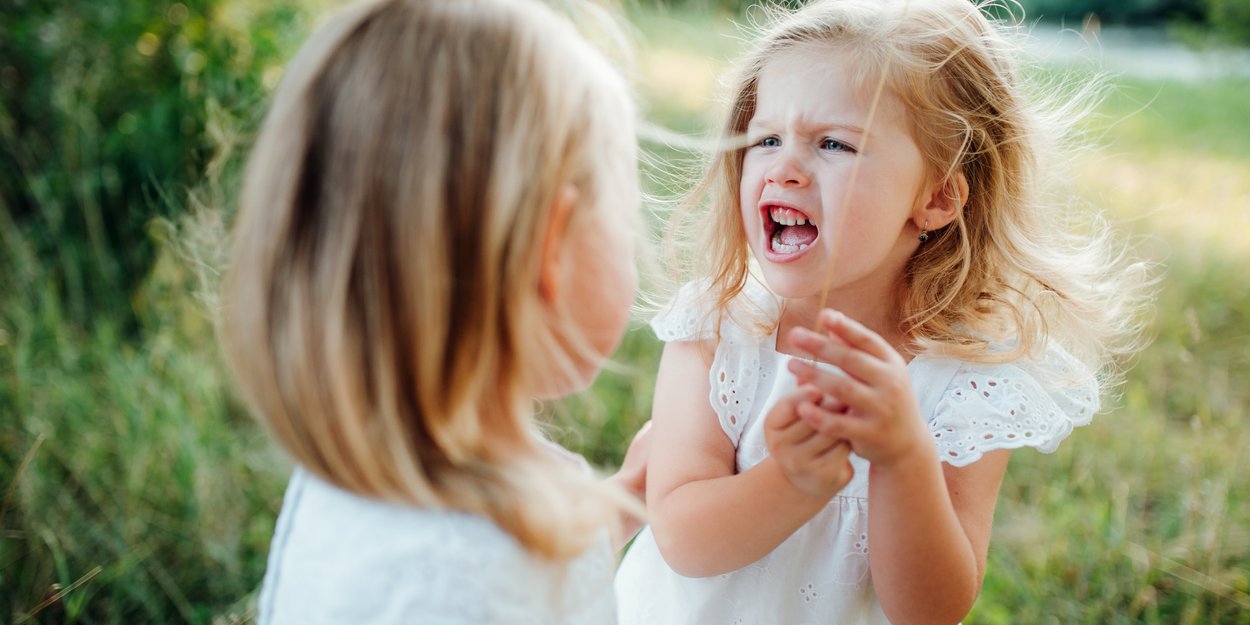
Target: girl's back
x,y
341,558
437,191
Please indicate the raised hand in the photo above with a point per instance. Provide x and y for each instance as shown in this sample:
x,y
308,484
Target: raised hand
x,y
878,413
815,463
632,476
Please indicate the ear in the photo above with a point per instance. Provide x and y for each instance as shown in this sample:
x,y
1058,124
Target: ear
x,y
943,203
553,256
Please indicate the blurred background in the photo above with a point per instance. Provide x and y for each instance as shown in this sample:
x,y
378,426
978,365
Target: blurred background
x,y
136,489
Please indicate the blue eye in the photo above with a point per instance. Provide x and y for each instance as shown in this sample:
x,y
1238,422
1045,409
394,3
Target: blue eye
x,y
769,142
835,146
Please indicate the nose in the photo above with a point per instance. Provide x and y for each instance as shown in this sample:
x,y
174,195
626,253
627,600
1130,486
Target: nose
x,y
788,168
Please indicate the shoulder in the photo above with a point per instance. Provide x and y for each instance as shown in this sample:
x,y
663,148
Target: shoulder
x,y
694,313
723,346
343,558
976,407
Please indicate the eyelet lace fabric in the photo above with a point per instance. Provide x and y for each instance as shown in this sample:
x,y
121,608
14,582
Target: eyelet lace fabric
x,y
338,558
820,574
1028,403
736,367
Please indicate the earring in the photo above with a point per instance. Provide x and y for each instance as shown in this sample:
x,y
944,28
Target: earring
x,y
924,232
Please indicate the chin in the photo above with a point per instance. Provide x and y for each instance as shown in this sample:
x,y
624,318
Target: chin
x,y
557,387
558,384
788,285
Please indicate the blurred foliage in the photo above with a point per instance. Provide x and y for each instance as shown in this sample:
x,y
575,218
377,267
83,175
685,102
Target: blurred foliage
x,y
103,116
1134,12
1228,20
130,484
1225,21
712,6
1118,11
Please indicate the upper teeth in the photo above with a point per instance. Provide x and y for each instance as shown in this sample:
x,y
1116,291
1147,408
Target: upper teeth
x,y
787,217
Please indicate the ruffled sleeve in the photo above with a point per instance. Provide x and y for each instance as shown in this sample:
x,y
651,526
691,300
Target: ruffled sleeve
x,y
1027,403
688,317
733,377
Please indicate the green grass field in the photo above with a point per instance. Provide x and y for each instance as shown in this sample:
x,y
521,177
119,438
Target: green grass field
x,y
135,490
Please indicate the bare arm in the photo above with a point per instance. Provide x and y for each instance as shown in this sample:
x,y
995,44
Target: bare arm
x,y
706,518
929,531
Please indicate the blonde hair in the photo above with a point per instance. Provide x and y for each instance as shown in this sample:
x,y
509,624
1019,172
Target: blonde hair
x,y
1015,263
381,310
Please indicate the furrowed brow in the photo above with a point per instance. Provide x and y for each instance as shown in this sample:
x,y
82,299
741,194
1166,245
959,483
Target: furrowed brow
x,y
761,125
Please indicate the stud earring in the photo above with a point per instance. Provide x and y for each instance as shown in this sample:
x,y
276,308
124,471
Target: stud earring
x,y
924,232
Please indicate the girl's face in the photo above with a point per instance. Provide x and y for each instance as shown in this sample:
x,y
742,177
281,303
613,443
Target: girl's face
x,y
805,134
599,280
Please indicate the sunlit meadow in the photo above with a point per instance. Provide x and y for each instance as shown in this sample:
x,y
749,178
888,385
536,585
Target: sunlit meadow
x,y
137,490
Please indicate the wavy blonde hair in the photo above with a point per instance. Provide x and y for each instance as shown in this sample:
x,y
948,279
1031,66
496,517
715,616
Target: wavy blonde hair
x,y
1018,262
381,311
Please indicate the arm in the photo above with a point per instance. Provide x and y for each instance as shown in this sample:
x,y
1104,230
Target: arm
x,y
928,534
706,518
632,478
929,525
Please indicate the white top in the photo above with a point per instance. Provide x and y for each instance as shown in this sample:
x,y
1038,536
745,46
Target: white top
x,y
339,558
820,573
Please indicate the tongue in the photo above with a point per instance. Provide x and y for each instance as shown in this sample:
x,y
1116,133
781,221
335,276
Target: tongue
x,y
796,235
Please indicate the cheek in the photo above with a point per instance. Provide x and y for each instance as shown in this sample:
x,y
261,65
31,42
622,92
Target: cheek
x,y
606,284
750,186
751,179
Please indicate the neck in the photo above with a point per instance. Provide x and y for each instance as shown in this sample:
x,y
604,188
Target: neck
x,y
875,307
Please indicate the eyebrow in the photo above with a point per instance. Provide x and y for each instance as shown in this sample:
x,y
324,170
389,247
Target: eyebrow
x,y
811,128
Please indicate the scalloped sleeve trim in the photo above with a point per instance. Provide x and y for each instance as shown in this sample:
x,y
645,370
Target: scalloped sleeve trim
x,y
688,317
1028,403
733,377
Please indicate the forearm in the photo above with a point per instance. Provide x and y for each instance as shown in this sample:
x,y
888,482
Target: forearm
x,y
924,567
713,526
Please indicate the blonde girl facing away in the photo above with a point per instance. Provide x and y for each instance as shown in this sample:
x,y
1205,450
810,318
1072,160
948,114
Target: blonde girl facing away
x,y
886,302
434,233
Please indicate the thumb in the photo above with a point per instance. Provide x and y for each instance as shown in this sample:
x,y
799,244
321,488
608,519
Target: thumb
x,y
785,411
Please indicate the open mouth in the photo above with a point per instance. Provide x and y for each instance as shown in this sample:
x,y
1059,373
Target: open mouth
x,y
788,231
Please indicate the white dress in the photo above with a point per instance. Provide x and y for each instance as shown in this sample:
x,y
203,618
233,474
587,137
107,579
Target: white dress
x,y
338,558
820,573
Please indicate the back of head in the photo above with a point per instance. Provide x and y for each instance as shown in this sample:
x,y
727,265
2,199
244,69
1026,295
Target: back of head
x,y
1011,265
380,311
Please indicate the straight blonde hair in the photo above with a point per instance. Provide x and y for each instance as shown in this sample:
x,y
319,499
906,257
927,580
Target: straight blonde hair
x,y
381,311
1016,264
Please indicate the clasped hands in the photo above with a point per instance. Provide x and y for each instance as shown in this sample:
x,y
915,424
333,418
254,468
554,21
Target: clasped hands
x,y
869,408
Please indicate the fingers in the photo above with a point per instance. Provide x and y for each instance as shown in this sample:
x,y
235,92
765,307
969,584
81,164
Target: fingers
x,y
848,391
796,435
855,362
833,425
856,335
839,452
643,435
814,444
640,444
633,471
782,415
828,402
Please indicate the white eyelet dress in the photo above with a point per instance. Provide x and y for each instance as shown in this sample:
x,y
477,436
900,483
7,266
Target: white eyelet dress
x,y
820,574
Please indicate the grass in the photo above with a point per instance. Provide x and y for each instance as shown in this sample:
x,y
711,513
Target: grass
x,y
131,480
1143,516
